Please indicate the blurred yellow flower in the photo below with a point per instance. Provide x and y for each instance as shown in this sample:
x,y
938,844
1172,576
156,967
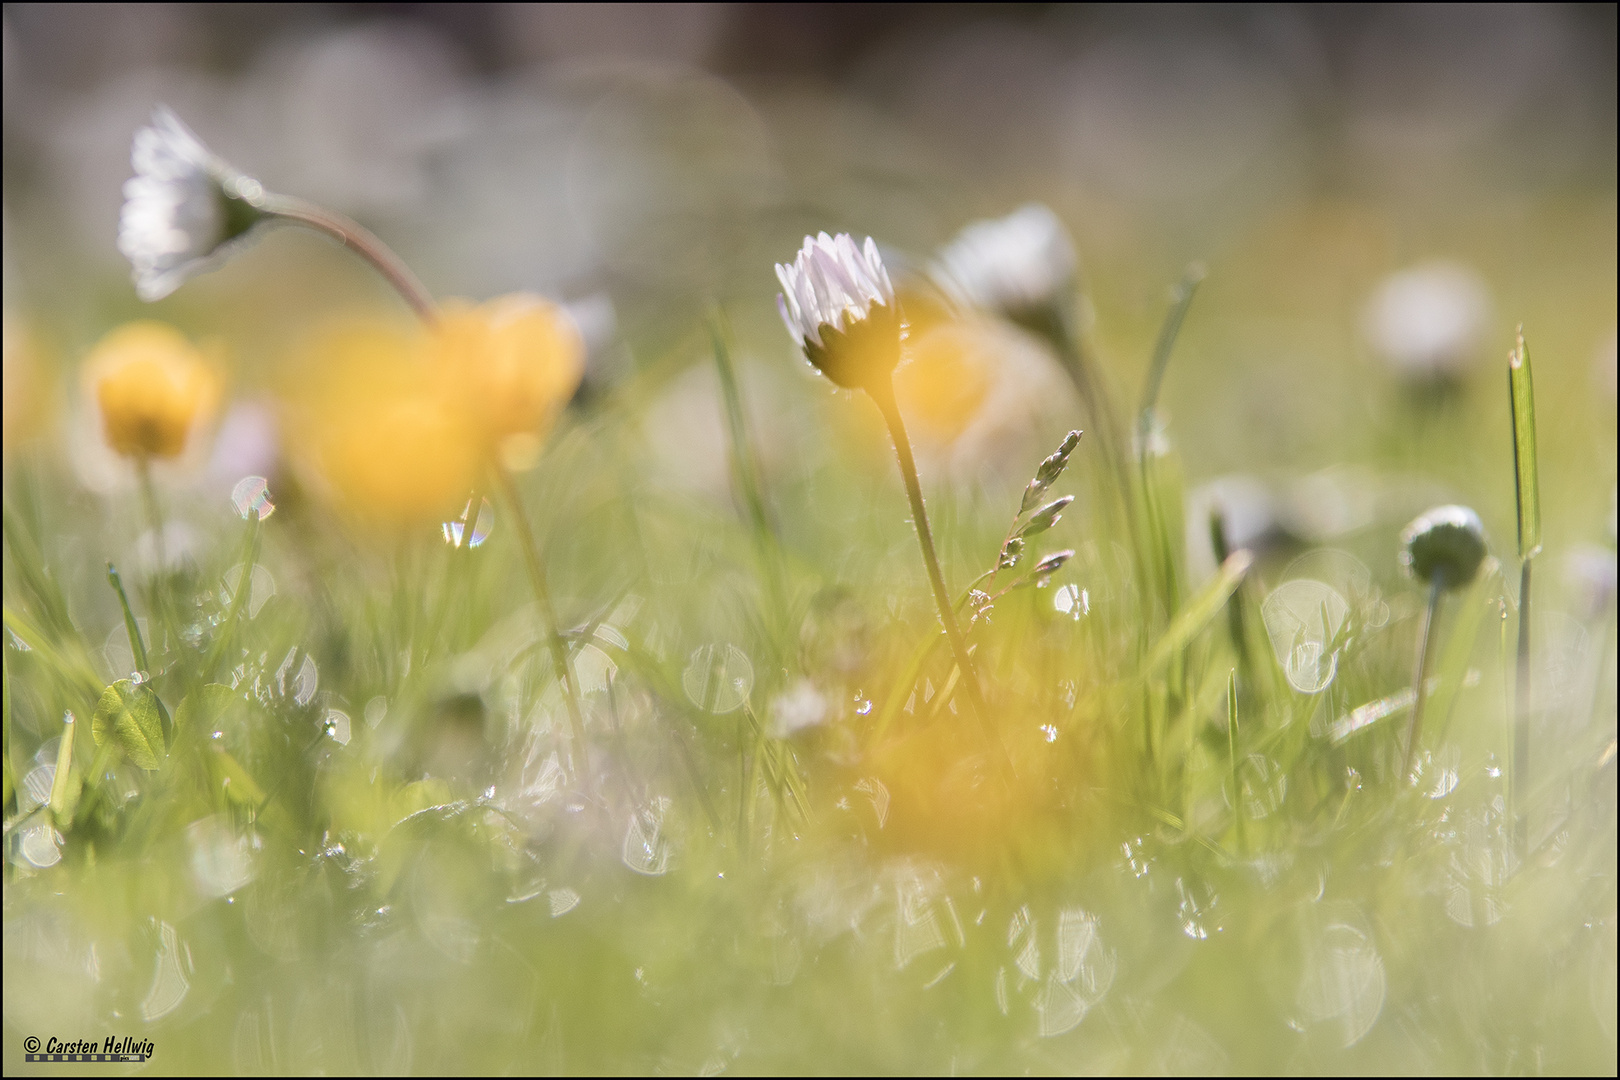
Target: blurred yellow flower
x,y
946,379
389,443
152,387
25,385
511,364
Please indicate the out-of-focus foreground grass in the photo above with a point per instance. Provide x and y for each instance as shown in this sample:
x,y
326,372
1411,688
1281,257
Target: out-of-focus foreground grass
x,y
368,839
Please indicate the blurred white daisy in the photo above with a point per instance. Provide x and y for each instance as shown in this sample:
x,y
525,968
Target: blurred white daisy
x,y
1428,322
838,303
182,206
798,707
1012,265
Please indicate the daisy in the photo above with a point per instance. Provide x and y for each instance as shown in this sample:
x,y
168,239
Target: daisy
x,y
182,208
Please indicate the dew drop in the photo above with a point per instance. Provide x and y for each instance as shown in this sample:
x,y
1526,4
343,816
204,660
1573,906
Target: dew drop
x,y
250,496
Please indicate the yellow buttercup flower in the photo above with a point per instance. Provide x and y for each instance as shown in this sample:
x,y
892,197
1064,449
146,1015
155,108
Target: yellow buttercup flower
x,y
389,443
511,364
944,384
152,386
26,391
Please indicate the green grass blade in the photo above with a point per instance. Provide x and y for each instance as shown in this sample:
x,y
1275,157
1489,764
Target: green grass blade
x,y
1523,400
136,644
1181,300
1204,607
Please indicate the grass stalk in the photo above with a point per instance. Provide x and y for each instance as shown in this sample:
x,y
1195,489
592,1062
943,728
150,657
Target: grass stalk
x,y
1231,753
548,612
136,645
883,396
1527,493
1414,726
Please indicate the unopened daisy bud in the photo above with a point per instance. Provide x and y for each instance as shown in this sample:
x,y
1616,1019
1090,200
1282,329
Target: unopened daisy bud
x,y
1444,546
152,387
838,303
1012,265
182,208
512,363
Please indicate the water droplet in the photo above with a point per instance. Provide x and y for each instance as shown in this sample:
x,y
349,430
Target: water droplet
x,y
646,849
251,495
863,704
917,928
1343,984
1265,785
1073,601
170,982
718,678
1196,911
456,528
376,709
1303,617
562,901
1482,862
39,844
1049,732
338,726
1435,772
221,861
874,790
1137,859
308,680
36,786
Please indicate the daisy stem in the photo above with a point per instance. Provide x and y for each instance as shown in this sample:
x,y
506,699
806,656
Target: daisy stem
x,y
548,611
1414,727
357,238
882,395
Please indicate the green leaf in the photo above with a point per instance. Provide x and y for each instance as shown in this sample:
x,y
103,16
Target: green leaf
x,y
131,716
1524,449
1197,614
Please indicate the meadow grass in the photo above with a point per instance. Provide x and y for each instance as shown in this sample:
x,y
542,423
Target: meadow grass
x,y
713,798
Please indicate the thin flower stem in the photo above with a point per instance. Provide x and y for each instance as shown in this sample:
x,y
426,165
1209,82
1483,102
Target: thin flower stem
x,y
548,611
157,596
357,238
1414,727
154,512
883,396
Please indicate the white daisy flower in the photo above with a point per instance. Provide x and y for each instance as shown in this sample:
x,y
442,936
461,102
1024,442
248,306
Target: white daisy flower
x,y
1013,264
182,206
838,303
1428,322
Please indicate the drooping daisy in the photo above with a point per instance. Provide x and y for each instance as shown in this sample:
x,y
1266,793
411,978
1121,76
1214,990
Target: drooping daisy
x,y
182,208
1012,265
838,303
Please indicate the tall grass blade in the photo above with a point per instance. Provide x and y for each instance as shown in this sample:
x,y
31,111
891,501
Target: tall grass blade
x,y
1204,607
1181,300
1527,487
1522,396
